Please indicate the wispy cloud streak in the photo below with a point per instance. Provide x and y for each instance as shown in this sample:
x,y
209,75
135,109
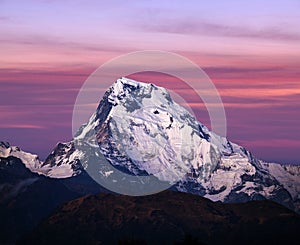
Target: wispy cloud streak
x,y
200,27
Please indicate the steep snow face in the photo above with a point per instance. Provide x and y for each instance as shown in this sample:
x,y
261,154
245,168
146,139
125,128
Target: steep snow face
x,y
63,161
286,175
227,176
152,134
289,177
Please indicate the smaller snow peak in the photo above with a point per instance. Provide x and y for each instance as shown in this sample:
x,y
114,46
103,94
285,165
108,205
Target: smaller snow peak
x,y
31,161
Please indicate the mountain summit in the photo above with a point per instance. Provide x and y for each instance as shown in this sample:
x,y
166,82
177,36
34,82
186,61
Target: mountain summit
x,y
141,131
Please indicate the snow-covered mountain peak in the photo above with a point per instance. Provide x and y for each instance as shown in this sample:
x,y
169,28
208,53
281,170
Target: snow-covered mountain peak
x,y
140,130
141,124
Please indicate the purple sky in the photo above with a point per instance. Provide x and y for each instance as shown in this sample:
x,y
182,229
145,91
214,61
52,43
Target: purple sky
x,y
250,50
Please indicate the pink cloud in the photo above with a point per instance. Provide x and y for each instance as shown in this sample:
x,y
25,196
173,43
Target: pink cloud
x,y
201,27
22,126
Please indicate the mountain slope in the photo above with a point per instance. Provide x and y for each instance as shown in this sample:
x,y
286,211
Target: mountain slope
x,y
165,218
27,197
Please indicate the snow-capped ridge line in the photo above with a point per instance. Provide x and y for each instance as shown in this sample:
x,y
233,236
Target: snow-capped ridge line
x,y
67,168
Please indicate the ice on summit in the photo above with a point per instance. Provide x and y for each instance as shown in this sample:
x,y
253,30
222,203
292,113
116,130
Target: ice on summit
x,y
119,90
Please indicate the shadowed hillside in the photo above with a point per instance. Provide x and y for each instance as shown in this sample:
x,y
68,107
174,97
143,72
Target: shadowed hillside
x,y
166,218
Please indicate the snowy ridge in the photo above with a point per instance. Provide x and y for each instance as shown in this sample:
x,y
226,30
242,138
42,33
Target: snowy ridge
x,y
31,161
228,176
288,176
62,166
